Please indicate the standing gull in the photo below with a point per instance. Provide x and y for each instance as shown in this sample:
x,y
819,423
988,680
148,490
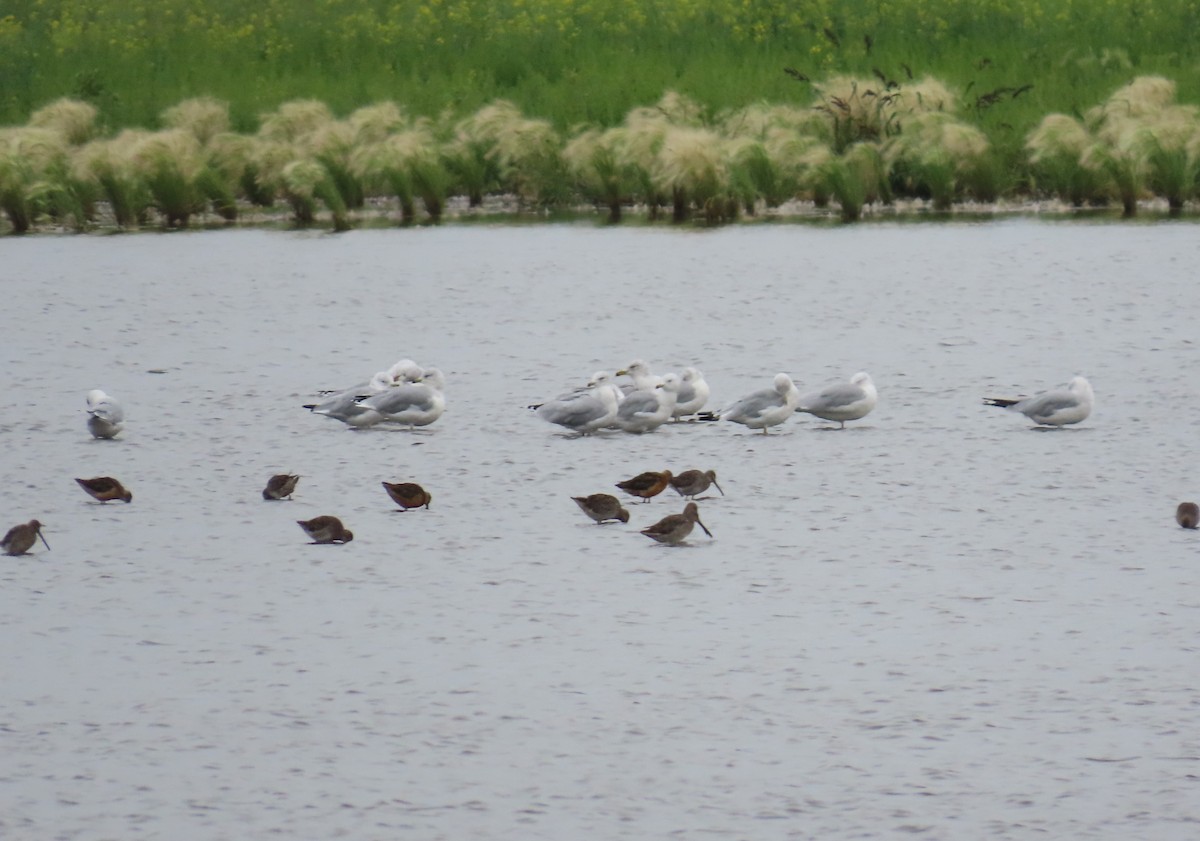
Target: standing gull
x,y
693,393
1052,408
582,411
105,416
766,408
842,401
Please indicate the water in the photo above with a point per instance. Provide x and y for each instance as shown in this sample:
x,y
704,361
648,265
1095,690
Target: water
x,y
940,621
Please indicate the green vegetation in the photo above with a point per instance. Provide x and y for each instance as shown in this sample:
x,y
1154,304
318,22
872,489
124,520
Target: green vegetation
x,y
705,109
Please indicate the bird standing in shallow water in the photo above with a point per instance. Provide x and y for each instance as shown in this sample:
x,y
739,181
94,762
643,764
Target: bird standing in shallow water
x,y
105,488
326,529
602,507
19,539
692,483
105,416
841,402
1188,515
766,408
674,528
1052,408
646,485
280,486
408,494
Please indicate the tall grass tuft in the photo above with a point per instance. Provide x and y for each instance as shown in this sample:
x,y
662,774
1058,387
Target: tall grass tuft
x,y
171,164
526,153
1056,149
203,117
109,164
407,162
938,156
599,169
305,182
29,158
73,119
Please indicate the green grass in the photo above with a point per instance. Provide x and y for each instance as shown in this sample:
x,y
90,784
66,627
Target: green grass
x,y
567,64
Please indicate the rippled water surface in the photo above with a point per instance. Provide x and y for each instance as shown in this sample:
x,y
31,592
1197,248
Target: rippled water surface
x,y
939,621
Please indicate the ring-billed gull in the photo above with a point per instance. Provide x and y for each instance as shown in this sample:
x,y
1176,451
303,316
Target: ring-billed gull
x,y
693,393
583,411
280,486
692,483
646,485
1052,408
645,410
766,408
344,405
408,495
20,538
105,416
842,401
411,404
105,488
674,528
326,529
602,507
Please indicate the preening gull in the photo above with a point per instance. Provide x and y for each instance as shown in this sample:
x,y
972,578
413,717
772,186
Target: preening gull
x,y
645,410
105,416
411,403
344,405
842,401
766,408
1052,408
693,393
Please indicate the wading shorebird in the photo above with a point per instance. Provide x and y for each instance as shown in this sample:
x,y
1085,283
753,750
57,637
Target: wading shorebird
x,y
1188,515
105,488
674,528
1052,408
105,416
407,494
646,485
19,539
326,529
841,402
602,507
280,486
692,483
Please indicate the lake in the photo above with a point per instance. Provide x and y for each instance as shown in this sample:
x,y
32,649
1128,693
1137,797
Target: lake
x,y
940,621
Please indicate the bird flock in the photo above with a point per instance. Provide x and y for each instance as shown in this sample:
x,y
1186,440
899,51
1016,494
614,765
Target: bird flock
x,y
409,395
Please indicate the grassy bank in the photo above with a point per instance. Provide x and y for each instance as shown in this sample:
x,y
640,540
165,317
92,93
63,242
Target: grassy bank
x,y
693,107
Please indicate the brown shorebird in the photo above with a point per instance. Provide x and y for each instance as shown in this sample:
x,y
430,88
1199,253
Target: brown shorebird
x,y
326,529
1188,515
692,483
280,486
19,539
602,507
646,485
407,494
674,528
105,488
